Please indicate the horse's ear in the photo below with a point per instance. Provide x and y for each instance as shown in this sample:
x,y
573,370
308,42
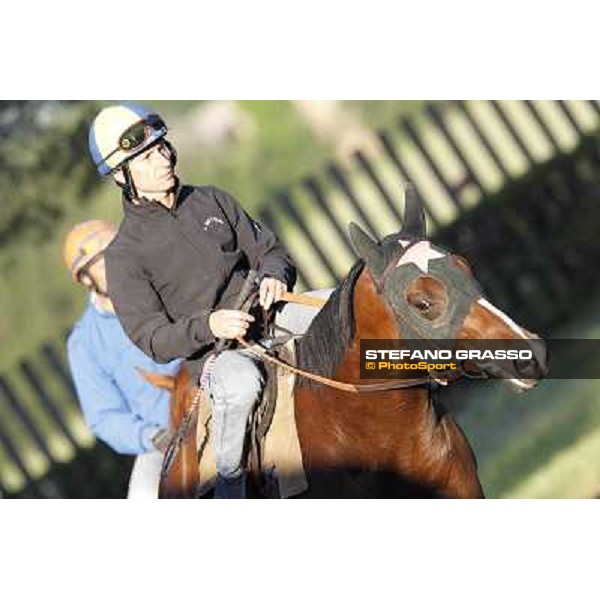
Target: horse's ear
x,y
414,215
367,249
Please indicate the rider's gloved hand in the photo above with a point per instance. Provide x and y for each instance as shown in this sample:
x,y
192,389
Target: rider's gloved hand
x,y
271,291
229,324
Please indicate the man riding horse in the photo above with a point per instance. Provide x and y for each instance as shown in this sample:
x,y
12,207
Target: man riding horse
x,y
176,267
386,438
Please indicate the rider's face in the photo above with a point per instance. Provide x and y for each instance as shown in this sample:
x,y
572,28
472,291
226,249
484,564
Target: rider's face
x,y
152,171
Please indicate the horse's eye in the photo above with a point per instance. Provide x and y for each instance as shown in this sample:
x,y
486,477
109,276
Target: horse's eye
x,y
423,304
427,297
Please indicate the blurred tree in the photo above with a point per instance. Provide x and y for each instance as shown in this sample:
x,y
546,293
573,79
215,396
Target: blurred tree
x,y
42,167
251,148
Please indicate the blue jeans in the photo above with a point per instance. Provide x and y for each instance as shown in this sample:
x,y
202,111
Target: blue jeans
x,y
235,385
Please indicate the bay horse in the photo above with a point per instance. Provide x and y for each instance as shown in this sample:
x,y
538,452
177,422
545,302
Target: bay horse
x,y
398,443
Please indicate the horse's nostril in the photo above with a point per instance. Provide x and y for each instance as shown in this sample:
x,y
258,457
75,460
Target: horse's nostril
x,y
529,369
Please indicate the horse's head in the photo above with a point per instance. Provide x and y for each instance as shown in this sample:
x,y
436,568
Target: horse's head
x,y
435,296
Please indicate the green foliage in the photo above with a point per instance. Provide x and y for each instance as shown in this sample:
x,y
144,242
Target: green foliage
x,y
43,170
278,150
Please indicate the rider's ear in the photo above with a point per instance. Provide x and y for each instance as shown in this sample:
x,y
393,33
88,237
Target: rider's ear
x,y
367,249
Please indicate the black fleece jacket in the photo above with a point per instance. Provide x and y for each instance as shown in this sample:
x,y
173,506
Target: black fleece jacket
x,y
167,270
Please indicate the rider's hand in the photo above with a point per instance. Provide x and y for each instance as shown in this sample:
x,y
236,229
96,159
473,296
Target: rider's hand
x,y
271,291
229,324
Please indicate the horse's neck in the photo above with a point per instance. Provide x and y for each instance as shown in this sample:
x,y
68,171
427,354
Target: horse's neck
x,y
396,432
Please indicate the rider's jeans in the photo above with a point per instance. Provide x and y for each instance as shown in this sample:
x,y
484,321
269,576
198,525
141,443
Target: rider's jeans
x,y
235,384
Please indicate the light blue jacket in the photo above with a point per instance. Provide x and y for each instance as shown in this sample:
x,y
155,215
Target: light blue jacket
x,y
120,407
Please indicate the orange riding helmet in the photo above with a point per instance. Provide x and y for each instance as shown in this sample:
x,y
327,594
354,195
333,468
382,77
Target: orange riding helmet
x,y
84,243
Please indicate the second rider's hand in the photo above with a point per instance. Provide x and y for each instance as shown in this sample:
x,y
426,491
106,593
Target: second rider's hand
x,y
229,324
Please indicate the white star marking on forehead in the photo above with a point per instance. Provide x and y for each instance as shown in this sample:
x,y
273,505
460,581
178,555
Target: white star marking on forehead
x,y
420,254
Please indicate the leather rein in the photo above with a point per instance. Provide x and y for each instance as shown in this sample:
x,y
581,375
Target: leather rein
x,y
355,388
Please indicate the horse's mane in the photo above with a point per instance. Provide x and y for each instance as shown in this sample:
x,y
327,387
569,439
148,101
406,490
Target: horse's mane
x,y
324,345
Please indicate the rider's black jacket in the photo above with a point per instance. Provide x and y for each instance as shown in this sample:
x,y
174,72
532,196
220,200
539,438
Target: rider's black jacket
x,y
168,269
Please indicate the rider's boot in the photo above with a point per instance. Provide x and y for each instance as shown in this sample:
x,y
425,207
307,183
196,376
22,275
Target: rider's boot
x,y
229,488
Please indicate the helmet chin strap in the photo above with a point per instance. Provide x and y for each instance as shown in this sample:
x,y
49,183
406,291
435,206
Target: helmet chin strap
x,y
90,283
175,187
128,186
100,292
85,277
92,286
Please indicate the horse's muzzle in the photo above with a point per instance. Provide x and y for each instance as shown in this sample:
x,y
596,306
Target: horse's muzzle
x,y
530,372
537,367
521,375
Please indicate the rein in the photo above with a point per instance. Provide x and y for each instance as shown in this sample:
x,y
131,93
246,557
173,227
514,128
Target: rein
x,y
355,388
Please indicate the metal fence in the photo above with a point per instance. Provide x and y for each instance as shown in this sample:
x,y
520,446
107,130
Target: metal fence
x,y
532,243
454,156
46,450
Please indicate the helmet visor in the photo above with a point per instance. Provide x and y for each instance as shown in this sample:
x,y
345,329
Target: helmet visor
x,y
136,136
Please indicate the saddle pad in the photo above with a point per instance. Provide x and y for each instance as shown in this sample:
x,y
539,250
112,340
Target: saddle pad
x,y
282,456
282,452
